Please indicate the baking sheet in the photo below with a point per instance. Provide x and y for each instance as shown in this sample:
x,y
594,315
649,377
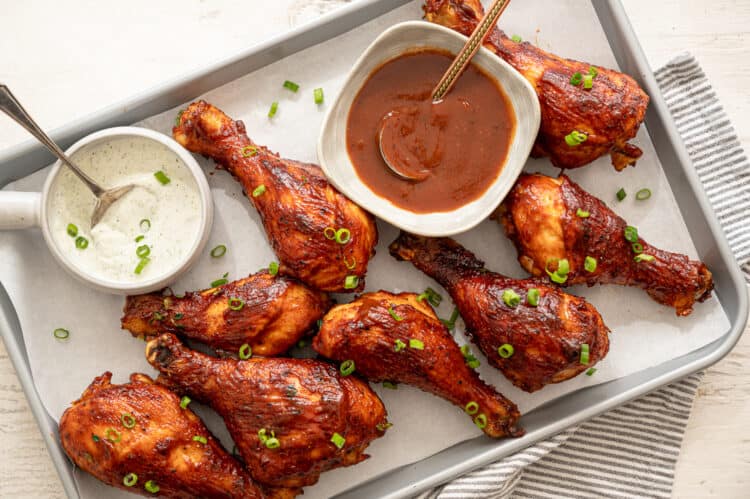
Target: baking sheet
x,y
644,333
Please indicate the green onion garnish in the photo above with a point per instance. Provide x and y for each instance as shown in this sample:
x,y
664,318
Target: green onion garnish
x,y
94,438
347,367
585,353
395,316
274,108
290,85
643,194
416,344
576,79
330,233
631,234
178,316
590,371
621,194
561,274
318,95
61,334
141,264
201,439
505,351
351,282
588,81
128,421
637,248
575,138
258,191
471,408
338,440
151,486
589,264
145,224
643,257
593,71
352,265
516,38
140,238
273,442
236,304
184,402
390,385
162,177
432,296
82,242
112,435
248,151
262,435
142,251
130,480
532,297
383,426
398,345
72,230
451,323
218,251
511,298
220,282
273,268
177,119
480,421
343,236
471,361
245,352
582,213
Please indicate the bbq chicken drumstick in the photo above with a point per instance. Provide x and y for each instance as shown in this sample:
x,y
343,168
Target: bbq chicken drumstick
x,y
399,338
320,237
605,116
138,438
269,313
533,333
554,219
291,419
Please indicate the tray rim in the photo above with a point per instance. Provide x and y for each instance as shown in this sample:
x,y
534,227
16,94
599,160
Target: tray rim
x,y
449,463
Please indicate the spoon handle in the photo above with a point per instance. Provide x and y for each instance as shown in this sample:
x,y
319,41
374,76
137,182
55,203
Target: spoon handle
x,y
470,48
10,106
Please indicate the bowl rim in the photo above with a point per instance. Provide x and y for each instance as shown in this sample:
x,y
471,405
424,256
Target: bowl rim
x,y
378,205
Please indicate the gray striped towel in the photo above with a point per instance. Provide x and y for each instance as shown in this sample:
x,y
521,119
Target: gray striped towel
x,y
631,451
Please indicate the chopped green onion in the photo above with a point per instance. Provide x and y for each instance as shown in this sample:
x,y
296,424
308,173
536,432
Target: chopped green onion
x,y
352,265
643,257
480,421
177,119
631,234
330,233
593,71
61,334
178,316
588,81
643,194
516,38
82,242
532,297
273,268
351,282
141,264
128,421
589,264
220,282
585,353
112,435
471,361
274,108
236,304
471,408
575,138
511,298
398,345
151,486
201,439
582,213
130,479
273,443
245,352
140,238
248,151
561,274
184,402
218,251
290,85
451,323
259,191
338,440
383,426
318,95
343,236
145,224
637,248
72,230
506,351
416,344
390,385
162,177
347,367
621,194
94,438
576,79
395,316
590,371
142,251
432,296
262,435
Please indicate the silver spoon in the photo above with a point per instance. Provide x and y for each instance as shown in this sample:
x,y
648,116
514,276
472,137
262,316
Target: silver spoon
x,y
104,197
454,71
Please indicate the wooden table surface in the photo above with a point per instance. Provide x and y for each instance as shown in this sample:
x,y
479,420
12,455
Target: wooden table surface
x,y
130,46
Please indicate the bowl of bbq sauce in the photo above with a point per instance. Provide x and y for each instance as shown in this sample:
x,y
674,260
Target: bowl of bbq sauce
x,y
460,155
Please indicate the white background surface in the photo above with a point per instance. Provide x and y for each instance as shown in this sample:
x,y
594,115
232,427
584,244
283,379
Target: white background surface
x,y
126,48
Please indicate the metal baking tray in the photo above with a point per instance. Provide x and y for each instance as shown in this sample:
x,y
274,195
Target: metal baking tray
x,y
540,423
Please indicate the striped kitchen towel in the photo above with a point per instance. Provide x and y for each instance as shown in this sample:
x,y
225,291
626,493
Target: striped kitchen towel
x,y
632,451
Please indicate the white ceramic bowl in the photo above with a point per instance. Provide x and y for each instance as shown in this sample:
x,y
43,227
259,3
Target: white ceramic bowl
x,y
395,41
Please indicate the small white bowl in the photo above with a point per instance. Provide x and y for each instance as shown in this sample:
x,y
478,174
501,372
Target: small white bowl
x,y
395,41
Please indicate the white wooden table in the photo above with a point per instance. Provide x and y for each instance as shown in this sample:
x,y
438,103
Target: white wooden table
x,y
50,52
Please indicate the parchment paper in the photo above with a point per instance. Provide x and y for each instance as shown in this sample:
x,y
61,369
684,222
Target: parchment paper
x,y
644,334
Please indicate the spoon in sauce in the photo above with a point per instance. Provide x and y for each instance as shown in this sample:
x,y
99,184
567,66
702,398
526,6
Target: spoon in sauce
x,y
104,197
416,161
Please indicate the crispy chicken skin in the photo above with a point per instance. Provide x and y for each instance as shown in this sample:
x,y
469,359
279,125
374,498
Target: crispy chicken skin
x,y
539,216
158,448
274,312
302,402
297,206
609,113
365,331
547,339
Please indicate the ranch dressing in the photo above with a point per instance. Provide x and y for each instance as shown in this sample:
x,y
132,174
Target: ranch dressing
x,y
173,210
